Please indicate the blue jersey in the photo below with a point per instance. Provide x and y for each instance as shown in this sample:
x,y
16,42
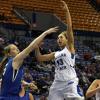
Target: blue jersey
x,y
25,97
11,80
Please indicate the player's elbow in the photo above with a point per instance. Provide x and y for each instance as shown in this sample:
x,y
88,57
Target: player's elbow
x,y
87,95
96,81
71,41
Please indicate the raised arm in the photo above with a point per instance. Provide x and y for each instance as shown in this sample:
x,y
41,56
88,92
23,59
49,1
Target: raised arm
x,y
94,87
45,57
69,31
22,55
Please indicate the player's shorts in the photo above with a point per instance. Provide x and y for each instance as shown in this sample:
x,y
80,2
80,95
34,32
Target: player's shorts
x,y
65,91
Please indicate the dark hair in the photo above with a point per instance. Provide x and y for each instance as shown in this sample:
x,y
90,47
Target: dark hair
x,y
5,59
3,63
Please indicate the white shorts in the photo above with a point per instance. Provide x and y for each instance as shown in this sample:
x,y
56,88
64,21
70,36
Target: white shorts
x,y
65,91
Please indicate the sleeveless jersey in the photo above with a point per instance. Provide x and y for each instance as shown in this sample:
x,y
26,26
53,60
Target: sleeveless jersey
x,y
65,62
11,82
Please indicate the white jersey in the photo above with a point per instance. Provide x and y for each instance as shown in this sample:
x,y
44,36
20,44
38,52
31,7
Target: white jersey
x,y
98,95
65,62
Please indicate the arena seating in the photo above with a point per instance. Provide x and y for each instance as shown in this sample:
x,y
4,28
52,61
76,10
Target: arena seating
x,y
84,16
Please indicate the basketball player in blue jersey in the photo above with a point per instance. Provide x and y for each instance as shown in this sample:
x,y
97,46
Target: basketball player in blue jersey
x,y
94,89
13,71
65,85
23,94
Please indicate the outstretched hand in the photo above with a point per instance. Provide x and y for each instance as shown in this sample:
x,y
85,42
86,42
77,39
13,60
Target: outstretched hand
x,y
51,30
65,7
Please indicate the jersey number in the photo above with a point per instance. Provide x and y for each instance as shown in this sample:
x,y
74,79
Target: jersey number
x,y
60,62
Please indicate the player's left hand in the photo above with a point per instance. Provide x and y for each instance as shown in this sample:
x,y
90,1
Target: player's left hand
x,y
51,30
64,5
32,86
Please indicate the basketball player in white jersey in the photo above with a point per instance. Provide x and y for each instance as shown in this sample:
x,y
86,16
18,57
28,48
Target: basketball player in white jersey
x,y
94,89
65,85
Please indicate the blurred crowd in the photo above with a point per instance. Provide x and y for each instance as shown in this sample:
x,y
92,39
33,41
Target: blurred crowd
x,y
42,73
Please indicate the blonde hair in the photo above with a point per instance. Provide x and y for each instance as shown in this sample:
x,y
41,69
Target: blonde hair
x,y
6,50
64,33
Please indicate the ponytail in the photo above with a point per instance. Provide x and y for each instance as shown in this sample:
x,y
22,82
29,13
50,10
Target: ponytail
x,y
3,63
5,59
